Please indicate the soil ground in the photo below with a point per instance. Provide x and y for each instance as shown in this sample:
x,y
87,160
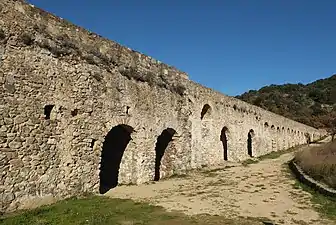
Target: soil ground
x,y
264,189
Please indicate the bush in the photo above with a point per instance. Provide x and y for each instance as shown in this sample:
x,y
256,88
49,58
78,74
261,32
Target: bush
x,y
319,163
26,38
179,89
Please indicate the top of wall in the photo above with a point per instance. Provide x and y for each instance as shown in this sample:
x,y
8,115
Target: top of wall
x,y
24,25
66,40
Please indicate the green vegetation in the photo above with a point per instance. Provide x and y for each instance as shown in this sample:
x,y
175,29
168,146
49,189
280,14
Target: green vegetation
x,y
320,163
313,104
94,210
325,205
271,155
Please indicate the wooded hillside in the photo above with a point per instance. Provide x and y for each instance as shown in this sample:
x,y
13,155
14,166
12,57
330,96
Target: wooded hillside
x,y
313,104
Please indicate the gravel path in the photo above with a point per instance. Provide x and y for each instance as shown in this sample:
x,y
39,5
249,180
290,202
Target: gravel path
x,y
263,189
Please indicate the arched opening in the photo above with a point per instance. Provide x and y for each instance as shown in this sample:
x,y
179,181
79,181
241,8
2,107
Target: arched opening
x,y
272,127
205,110
223,138
114,147
250,136
74,112
308,138
161,145
266,125
47,111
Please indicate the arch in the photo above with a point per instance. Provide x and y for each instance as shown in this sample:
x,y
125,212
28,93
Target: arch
x,y
114,147
288,130
161,145
235,107
250,136
47,111
205,110
272,127
266,125
223,138
308,138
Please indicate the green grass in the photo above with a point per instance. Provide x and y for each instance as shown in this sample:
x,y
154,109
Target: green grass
x,y
94,210
271,155
277,154
325,205
249,161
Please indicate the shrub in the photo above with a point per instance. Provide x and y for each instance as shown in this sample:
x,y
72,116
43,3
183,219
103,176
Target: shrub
x,y
179,89
319,163
27,38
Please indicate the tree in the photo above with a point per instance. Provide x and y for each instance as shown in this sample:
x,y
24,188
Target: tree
x,y
332,129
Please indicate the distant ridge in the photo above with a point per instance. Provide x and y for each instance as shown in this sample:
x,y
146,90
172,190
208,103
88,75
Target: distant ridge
x,y
313,104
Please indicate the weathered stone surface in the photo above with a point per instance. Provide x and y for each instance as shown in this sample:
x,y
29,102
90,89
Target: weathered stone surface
x,y
63,89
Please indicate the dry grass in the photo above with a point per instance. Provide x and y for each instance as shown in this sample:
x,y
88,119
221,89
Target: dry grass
x,y
320,163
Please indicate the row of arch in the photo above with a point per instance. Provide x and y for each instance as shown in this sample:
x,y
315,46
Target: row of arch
x,y
118,138
207,110
114,146
283,129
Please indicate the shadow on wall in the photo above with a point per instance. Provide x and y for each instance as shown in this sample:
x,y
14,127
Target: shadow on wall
x,y
223,138
250,136
114,146
205,110
161,145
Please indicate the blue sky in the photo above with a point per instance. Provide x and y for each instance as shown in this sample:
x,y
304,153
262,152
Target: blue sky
x,y
231,46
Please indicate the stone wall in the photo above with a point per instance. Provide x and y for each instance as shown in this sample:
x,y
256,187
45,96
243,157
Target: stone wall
x,y
64,93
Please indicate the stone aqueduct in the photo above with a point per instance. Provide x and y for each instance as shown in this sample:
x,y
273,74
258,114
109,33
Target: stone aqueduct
x,y
79,113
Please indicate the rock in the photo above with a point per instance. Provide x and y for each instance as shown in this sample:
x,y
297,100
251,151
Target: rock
x,y
15,145
16,163
7,197
20,119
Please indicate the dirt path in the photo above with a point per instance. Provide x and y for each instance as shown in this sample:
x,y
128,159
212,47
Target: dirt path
x,y
263,189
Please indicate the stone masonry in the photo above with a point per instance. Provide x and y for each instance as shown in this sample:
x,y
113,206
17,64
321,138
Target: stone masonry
x,y
77,110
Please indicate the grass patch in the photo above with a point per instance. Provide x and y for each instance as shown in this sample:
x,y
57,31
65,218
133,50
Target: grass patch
x,y
96,210
249,161
271,155
277,154
319,162
183,175
325,205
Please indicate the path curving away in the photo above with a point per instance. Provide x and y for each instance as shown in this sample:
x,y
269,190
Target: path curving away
x,y
263,189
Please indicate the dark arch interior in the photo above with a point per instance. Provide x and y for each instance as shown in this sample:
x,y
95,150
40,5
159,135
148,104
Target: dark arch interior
x,y
223,139
114,146
205,109
249,142
266,124
161,145
47,111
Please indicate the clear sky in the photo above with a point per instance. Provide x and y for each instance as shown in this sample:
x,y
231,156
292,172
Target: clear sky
x,y
229,45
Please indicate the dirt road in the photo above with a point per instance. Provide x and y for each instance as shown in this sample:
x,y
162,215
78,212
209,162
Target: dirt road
x,y
263,189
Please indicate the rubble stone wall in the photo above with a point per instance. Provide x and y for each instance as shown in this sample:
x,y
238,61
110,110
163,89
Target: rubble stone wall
x,y
63,89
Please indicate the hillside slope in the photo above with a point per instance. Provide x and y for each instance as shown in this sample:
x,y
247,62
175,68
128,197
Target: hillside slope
x,y
313,104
